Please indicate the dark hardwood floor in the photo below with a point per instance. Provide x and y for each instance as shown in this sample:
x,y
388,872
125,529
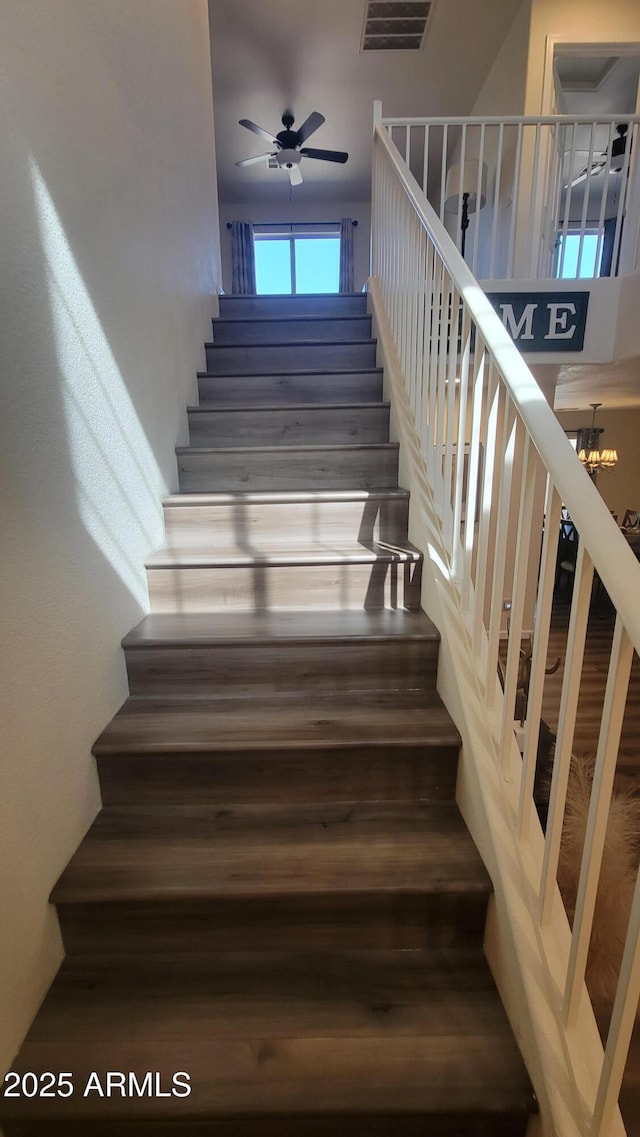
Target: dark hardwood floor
x,y
592,687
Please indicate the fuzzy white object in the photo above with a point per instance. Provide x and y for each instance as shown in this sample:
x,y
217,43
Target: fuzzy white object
x,y
617,876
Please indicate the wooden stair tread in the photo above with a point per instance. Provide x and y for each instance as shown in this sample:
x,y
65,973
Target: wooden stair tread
x,y
279,408
281,1033
324,342
302,371
258,851
274,994
318,552
285,497
330,447
288,317
191,630
157,724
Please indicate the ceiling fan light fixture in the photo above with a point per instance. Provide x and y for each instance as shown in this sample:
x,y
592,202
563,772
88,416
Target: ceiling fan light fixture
x,y
287,159
618,148
290,151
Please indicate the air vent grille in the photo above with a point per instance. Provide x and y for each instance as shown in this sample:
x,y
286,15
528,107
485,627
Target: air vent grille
x,y
395,25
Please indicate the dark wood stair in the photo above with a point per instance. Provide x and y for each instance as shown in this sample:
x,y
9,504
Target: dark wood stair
x,y
289,425
159,878
306,466
279,896
364,1031
354,385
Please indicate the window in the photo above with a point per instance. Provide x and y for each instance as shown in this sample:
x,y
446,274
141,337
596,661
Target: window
x,y
568,253
299,262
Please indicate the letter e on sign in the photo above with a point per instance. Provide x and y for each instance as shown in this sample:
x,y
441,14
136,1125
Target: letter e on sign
x,y
558,318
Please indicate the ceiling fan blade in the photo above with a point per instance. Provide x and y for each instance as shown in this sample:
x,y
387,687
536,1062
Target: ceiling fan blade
x,y
309,126
325,155
596,168
259,131
254,161
295,175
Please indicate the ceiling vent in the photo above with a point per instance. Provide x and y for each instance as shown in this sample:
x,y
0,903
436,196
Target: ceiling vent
x,y
395,25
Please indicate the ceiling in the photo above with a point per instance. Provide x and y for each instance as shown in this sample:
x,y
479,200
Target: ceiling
x,y
612,384
596,84
271,55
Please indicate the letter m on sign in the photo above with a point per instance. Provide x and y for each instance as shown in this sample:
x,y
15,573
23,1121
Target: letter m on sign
x,y
522,328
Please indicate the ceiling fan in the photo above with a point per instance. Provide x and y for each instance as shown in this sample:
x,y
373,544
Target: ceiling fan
x,y
613,157
289,145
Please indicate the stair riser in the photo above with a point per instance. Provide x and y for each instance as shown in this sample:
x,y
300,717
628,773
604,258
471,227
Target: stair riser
x,y
305,923
257,524
380,773
272,359
308,468
265,306
264,669
267,390
283,330
281,587
289,427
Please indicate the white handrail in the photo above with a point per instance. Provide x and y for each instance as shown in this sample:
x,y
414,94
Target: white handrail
x,y
510,120
485,435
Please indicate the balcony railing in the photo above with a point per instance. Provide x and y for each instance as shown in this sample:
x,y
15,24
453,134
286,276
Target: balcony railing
x,y
555,197
480,443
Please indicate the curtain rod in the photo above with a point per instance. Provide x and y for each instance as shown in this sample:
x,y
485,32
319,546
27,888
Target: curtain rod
x,y
290,224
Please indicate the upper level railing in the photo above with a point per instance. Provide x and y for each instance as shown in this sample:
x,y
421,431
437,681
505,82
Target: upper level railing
x,y
555,197
489,443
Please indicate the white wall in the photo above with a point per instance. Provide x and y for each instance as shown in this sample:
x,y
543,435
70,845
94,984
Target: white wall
x,y
575,21
261,213
109,263
503,91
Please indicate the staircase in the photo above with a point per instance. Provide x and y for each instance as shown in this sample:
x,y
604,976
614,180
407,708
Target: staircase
x,y
279,897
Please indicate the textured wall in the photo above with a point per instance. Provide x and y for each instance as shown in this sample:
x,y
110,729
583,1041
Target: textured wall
x,y
109,261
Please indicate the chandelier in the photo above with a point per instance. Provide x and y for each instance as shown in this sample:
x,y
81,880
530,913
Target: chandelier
x,y
588,448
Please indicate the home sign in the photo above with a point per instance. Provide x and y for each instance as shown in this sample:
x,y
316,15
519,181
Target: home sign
x,y
543,321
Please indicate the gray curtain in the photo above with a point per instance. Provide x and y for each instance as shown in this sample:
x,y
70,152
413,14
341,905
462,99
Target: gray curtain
x,y
606,262
242,259
346,255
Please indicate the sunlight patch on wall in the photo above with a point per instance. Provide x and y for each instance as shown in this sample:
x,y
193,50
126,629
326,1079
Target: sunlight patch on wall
x,y
119,484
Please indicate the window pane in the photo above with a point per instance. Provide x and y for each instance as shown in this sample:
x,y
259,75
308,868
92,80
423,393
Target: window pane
x,y
588,265
273,267
317,264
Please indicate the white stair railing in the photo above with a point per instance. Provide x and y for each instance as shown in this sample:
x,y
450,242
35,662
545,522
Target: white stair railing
x,y
488,440
546,198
